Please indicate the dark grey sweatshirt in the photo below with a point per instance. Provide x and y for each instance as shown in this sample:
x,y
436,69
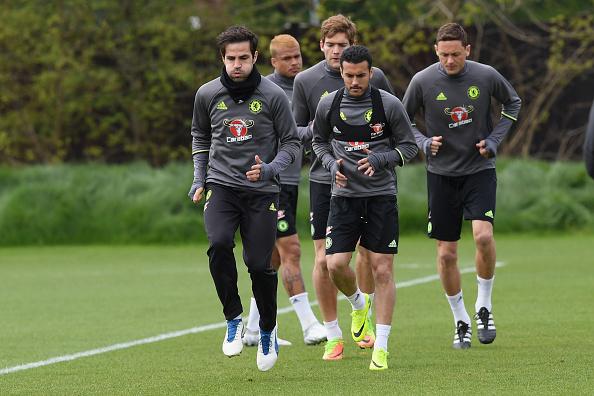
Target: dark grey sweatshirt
x,y
233,133
459,109
292,173
328,150
309,87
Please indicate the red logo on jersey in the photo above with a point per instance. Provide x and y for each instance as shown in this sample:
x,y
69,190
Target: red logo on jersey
x,y
354,146
239,129
459,115
378,129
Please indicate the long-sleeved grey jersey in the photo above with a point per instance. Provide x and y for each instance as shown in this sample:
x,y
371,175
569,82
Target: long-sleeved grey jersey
x,y
458,108
292,173
310,86
589,144
234,133
356,111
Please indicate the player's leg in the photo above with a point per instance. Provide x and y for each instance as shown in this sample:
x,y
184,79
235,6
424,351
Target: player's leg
x,y
445,225
384,307
289,248
258,235
252,330
326,292
221,219
480,197
366,285
380,238
344,230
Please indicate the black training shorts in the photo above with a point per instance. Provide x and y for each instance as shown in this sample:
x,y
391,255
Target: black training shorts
x,y
319,207
452,197
372,220
287,211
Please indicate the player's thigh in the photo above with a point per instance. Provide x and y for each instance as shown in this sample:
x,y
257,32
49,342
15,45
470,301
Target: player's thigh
x,y
258,228
287,211
319,204
479,196
381,228
344,224
222,214
445,207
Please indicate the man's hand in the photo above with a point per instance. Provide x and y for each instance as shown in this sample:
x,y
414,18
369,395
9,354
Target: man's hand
x,y
435,144
339,178
256,172
364,164
197,195
482,148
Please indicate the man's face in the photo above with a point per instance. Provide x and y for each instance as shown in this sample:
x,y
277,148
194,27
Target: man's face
x,y
356,77
287,61
239,61
452,55
332,48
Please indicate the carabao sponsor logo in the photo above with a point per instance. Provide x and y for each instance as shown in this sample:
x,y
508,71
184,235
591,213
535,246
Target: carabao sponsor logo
x,y
239,129
356,146
459,115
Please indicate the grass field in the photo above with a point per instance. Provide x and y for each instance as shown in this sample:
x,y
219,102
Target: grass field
x,y
58,301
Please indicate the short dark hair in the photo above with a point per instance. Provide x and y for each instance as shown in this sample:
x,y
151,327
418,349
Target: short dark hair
x,y
356,54
237,34
452,32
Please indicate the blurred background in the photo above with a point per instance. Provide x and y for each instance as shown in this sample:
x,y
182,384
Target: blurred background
x,y
96,103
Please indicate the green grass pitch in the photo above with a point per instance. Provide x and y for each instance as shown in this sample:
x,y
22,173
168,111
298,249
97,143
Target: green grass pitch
x,y
57,301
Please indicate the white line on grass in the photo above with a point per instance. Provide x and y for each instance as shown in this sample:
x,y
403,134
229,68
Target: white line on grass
x,y
193,330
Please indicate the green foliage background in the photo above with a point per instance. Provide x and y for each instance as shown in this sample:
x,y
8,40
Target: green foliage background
x,y
114,81
136,203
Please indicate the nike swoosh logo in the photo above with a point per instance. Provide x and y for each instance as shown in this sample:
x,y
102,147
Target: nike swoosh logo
x,y
375,364
357,334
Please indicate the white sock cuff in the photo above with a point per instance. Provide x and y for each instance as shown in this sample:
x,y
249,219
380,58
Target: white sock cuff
x,y
383,329
297,296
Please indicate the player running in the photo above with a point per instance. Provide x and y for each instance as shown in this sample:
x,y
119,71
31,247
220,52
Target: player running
x,y
337,34
243,136
460,146
360,135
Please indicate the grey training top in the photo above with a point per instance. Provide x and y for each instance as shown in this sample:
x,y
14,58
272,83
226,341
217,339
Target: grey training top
x,y
459,109
589,144
292,173
309,87
233,133
383,182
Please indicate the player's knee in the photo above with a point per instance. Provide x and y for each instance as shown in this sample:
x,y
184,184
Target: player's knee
x,y
219,244
446,258
483,238
260,267
383,275
291,251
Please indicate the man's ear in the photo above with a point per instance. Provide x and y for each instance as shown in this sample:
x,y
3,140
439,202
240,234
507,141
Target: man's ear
x,y
255,57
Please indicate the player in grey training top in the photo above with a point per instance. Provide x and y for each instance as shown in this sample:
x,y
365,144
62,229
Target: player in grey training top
x,y
286,60
337,33
243,136
460,144
589,144
360,135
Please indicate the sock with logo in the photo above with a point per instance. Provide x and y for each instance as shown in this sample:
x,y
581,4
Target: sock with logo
x,y
357,300
303,310
253,323
332,330
458,309
484,289
382,333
